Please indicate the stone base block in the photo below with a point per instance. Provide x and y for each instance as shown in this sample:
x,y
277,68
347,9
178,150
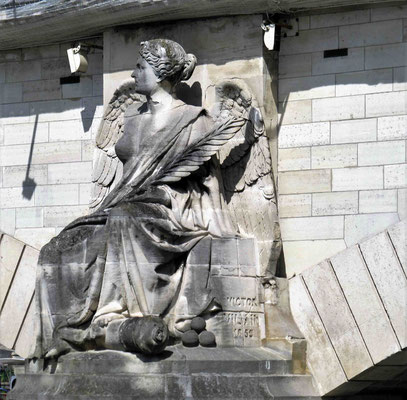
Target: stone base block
x,y
179,373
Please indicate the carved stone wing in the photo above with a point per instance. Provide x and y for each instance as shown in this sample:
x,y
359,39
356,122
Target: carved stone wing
x,y
247,171
107,168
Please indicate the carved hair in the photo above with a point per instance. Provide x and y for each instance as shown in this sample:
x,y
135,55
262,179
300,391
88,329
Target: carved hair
x,y
168,59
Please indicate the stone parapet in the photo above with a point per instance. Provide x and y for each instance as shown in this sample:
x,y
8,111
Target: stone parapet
x,y
352,310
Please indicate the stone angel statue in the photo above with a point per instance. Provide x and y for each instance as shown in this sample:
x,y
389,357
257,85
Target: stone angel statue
x,y
160,190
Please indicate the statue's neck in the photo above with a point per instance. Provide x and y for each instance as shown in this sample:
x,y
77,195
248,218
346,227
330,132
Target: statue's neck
x,y
160,100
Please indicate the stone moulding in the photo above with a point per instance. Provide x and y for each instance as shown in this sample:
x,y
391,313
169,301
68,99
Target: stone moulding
x,y
69,20
352,310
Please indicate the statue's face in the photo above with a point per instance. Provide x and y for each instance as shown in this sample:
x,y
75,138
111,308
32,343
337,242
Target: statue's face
x,y
145,78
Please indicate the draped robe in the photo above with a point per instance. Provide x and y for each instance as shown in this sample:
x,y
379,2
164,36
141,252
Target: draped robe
x,y
129,258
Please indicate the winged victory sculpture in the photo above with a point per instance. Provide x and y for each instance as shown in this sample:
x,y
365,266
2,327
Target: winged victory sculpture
x,y
169,178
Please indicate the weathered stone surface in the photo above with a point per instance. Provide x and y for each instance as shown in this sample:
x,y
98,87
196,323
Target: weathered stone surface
x,y
397,234
19,297
329,301
381,153
390,281
358,227
10,253
334,156
376,201
322,359
305,181
199,373
354,131
335,203
365,304
360,178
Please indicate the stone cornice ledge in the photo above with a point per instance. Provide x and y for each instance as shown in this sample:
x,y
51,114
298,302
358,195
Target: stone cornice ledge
x,y
25,23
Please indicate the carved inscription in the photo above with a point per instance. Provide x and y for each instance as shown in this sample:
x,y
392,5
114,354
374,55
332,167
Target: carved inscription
x,y
242,302
242,324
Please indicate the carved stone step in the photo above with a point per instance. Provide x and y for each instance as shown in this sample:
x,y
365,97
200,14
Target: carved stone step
x,y
179,373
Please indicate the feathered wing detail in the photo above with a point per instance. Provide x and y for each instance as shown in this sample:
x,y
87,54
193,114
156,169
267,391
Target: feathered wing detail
x,y
247,172
107,168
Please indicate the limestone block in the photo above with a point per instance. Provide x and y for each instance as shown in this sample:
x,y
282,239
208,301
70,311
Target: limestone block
x,y
334,156
42,153
57,195
55,110
10,252
395,176
332,109
10,55
294,65
336,203
95,63
354,131
304,181
77,172
386,104
68,130
294,205
340,18
13,197
42,90
19,297
35,237
309,228
358,227
2,73
85,190
390,55
370,34
92,107
25,133
14,176
343,332
378,201
62,216
402,203
380,153
55,68
354,61
97,85
372,81
34,53
358,178
31,217
8,220
88,148
26,338
383,13
16,113
294,159
365,303
321,356
303,135
397,234
237,294
77,90
390,281
309,41
303,88
400,78
295,112
11,93
389,128
23,71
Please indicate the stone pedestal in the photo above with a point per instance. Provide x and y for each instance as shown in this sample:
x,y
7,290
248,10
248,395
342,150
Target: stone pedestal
x,y
179,373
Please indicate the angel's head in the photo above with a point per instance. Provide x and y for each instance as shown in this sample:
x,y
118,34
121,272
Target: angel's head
x,y
162,61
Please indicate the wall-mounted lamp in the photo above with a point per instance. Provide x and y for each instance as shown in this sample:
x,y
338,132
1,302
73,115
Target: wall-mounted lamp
x,y
272,31
77,56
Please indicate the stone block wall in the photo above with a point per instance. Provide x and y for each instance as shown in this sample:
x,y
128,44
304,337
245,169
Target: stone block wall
x,y
46,146
342,131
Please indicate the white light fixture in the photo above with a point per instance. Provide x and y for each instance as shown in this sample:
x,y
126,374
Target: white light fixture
x,y
269,34
78,61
